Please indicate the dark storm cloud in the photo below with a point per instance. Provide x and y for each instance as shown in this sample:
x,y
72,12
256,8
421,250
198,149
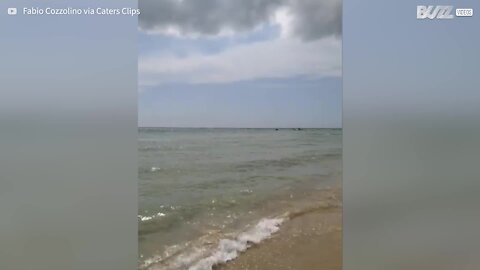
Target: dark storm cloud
x,y
312,19
204,16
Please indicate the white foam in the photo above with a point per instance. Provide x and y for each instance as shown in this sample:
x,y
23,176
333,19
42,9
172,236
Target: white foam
x,y
201,257
246,191
229,249
147,218
148,262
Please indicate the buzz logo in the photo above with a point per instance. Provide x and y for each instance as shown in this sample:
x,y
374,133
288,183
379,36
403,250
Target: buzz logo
x,y
434,12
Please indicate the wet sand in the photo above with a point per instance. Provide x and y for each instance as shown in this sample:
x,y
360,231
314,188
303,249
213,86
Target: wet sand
x,y
309,240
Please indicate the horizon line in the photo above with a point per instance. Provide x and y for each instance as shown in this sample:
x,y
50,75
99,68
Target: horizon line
x,y
241,127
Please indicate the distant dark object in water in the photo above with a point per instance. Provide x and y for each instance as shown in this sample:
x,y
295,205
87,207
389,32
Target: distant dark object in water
x,y
276,129
298,129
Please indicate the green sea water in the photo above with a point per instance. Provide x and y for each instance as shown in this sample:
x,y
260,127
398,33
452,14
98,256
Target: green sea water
x,y
209,183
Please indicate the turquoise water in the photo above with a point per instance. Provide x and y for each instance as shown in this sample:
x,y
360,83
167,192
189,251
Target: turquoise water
x,y
206,183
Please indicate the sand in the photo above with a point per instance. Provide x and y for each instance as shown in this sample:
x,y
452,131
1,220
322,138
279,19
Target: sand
x,y
310,239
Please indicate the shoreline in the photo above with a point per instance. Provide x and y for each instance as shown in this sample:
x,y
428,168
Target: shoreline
x,y
308,240
307,236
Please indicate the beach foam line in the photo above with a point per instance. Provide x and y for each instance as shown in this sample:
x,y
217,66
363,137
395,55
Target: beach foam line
x,y
218,248
147,218
230,249
199,257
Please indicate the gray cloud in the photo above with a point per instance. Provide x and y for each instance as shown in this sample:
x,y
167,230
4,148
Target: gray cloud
x,y
204,16
312,19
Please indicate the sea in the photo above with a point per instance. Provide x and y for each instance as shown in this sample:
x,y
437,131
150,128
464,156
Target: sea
x,y
208,194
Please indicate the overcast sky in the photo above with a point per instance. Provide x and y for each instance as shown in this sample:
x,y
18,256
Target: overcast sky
x,y
250,63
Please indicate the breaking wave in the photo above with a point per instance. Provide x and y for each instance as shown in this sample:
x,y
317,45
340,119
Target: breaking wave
x,y
229,249
202,258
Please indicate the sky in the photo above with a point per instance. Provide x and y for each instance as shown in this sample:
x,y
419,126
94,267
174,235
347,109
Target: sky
x,y
252,63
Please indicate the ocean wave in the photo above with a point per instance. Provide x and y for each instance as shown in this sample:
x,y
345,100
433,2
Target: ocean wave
x,y
148,218
229,249
154,169
218,246
205,258
288,162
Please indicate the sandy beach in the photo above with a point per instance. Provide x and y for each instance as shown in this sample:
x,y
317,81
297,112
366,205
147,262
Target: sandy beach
x,y
310,239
